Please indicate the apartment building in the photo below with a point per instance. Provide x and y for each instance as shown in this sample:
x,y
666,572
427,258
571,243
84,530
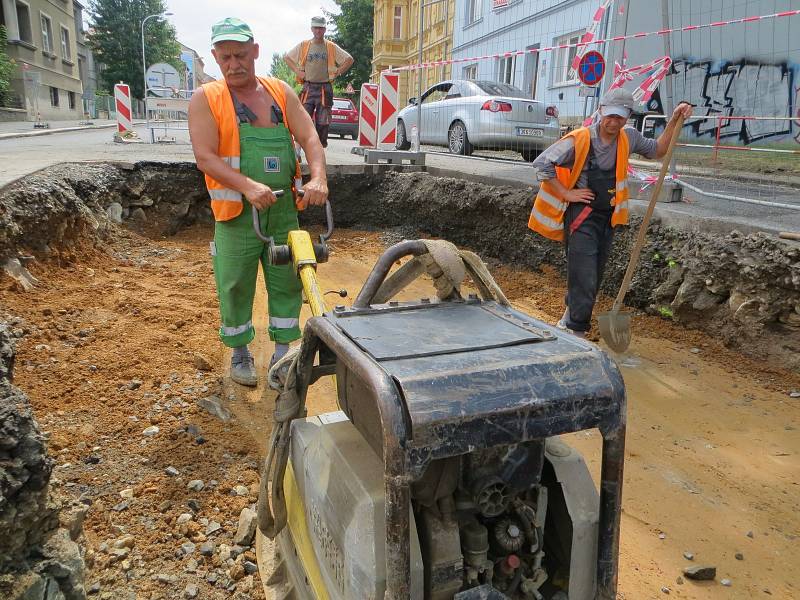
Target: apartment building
x,y
42,40
396,42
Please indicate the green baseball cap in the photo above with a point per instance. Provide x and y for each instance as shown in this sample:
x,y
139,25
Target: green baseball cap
x,y
231,29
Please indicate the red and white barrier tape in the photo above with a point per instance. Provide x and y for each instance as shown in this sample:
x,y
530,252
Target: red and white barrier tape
x,y
581,44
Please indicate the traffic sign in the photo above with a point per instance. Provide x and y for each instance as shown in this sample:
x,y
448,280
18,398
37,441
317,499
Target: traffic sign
x,y
162,78
591,68
588,92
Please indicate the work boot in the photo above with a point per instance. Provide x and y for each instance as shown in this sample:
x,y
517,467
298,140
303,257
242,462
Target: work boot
x,y
243,370
562,324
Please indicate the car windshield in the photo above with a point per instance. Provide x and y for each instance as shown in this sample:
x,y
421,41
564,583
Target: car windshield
x,y
342,104
492,88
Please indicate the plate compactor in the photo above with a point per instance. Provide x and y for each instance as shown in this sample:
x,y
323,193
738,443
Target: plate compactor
x,y
442,476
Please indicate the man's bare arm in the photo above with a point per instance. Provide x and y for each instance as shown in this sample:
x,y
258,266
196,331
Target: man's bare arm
x,y
316,190
205,142
685,109
345,66
293,66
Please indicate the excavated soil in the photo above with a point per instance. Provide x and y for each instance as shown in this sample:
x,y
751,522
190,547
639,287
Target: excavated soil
x,y
120,335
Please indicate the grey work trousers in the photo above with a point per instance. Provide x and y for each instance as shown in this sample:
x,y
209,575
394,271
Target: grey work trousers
x,y
587,250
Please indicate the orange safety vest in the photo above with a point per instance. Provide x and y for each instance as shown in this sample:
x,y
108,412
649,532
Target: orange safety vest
x,y
226,203
330,49
547,215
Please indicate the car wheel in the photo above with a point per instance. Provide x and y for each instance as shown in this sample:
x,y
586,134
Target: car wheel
x,y
530,155
402,143
458,140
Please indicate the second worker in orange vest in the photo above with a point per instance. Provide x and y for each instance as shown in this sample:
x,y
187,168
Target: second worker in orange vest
x,y
583,196
316,63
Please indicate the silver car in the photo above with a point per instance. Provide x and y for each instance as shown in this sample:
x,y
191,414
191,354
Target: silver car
x,y
467,115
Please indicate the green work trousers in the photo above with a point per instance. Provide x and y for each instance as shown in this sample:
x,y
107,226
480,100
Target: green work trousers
x,y
267,156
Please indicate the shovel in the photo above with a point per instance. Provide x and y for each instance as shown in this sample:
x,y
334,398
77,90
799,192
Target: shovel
x,y
615,327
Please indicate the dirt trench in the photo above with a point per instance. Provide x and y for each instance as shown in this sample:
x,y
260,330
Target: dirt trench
x,y
119,337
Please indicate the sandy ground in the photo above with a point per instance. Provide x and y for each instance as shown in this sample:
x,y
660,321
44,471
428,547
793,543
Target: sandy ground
x,y
112,338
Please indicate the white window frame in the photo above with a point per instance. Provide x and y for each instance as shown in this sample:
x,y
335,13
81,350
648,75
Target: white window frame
x,y
562,60
470,72
47,32
507,69
397,22
474,11
30,25
66,52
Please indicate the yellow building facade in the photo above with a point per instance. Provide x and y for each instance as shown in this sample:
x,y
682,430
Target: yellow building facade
x,y
395,41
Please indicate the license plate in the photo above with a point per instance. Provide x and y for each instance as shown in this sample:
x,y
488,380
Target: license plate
x,y
530,132
340,117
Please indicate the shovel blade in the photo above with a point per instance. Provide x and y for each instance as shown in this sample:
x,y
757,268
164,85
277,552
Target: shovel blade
x,y
615,329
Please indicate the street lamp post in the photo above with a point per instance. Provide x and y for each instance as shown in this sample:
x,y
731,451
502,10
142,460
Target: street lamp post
x,y
144,70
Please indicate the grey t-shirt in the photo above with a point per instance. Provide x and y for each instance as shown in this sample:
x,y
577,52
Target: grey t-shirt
x,y
562,154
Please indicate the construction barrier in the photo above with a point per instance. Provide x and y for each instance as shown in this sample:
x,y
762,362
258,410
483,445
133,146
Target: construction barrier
x,y
368,116
122,101
387,115
168,113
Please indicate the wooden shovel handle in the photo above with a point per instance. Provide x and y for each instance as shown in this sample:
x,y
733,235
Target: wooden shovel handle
x,y
637,248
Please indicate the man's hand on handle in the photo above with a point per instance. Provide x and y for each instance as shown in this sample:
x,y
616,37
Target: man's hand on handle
x,y
315,192
683,108
260,195
583,196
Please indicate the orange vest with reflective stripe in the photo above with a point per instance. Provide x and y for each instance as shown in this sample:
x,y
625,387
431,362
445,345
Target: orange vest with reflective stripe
x,y
330,50
226,203
547,215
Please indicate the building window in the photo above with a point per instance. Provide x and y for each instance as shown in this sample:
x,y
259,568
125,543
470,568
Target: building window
x,y
65,48
24,22
47,35
53,96
71,96
562,69
397,23
505,69
470,71
473,10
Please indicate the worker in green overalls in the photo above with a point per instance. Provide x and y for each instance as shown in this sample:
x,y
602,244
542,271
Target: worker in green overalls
x,y
243,131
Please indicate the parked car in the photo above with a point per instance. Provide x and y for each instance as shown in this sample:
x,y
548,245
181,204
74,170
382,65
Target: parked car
x,y
466,115
344,118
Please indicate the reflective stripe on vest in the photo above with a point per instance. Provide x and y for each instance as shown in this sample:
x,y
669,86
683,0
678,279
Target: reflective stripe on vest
x,y
226,203
547,215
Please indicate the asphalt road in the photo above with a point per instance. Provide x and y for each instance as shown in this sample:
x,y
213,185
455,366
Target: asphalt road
x,y
21,156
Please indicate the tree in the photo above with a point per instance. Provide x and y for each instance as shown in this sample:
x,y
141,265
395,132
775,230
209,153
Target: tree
x,y
353,32
6,68
281,70
117,43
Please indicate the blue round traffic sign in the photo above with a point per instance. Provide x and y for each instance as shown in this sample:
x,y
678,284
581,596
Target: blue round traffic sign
x,y
591,68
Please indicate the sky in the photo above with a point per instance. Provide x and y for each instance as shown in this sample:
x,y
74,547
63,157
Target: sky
x,y
277,26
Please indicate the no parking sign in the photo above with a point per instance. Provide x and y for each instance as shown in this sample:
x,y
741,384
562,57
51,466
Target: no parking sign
x,y
591,68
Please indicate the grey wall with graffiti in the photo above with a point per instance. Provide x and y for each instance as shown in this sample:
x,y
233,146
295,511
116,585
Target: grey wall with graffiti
x,y
740,70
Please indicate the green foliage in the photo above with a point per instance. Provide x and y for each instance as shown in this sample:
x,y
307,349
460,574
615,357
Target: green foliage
x,y
279,69
672,264
352,30
7,67
117,43
665,311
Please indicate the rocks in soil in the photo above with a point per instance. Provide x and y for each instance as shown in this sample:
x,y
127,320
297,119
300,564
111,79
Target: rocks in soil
x,y
246,529
201,363
171,471
739,556
207,548
700,573
726,582
151,431
191,590
688,555
196,485
213,405
114,212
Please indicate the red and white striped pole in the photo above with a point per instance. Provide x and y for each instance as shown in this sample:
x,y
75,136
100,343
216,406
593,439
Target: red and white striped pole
x,y
368,116
122,100
388,100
